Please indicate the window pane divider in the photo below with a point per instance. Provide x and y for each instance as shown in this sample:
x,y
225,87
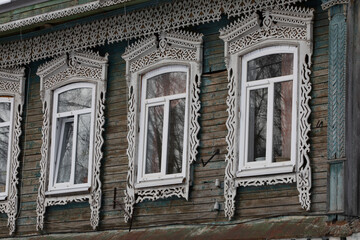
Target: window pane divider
x,y
270,124
165,137
73,154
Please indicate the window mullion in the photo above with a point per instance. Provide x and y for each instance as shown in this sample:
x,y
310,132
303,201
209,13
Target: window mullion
x,y
73,154
60,135
143,153
165,137
270,123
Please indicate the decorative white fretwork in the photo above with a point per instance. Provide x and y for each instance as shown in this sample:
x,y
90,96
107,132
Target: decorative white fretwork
x,y
145,22
329,3
78,66
280,25
12,83
59,14
173,48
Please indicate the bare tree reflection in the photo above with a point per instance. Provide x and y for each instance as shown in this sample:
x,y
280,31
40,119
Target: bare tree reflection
x,y
165,85
75,99
4,141
4,112
265,67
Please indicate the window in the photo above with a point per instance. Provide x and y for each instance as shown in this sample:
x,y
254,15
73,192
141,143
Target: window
x,y
73,118
5,146
268,59
268,100
73,88
163,110
163,126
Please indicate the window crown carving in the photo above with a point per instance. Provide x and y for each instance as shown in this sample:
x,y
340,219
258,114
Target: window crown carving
x,y
168,49
75,67
289,26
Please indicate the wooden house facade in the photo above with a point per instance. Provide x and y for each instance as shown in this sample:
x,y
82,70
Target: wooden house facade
x,y
183,119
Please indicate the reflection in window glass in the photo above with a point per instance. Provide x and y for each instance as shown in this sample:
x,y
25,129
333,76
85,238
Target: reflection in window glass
x,y
65,154
270,66
282,121
82,149
166,84
257,125
74,99
154,139
4,145
5,111
176,136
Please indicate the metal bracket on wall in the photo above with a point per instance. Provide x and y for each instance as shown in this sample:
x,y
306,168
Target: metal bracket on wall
x,y
115,203
217,151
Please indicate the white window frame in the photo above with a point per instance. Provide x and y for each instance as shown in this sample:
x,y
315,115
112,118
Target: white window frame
x,y
266,167
3,195
275,27
75,69
145,58
155,179
59,188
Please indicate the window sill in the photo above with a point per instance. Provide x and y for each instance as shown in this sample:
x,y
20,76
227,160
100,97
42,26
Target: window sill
x,y
268,170
3,197
160,182
67,190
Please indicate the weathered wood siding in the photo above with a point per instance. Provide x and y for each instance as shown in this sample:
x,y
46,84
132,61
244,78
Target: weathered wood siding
x,y
252,202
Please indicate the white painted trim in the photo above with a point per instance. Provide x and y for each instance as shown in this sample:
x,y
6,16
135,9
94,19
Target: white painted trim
x,y
9,124
160,101
12,88
61,188
262,166
176,51
280,26
81,69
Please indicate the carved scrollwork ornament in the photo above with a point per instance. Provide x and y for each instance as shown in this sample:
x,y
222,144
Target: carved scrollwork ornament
x,y
169,16
12,84
78,66
293,26
174,48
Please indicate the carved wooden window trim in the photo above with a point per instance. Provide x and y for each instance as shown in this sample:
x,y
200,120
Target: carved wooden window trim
x,y
12,86
290,26
177,48
77,67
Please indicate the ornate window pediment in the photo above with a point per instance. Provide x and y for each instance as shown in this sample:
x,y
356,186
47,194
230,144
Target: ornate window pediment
x,y
260,151
73,94
163,80
12,90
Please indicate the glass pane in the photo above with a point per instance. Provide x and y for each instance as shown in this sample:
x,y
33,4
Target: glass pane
x,y
154,139
176,136
64,163
270,66
74,99
282,121
257,125
4,112
4,145
82,149
166,84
